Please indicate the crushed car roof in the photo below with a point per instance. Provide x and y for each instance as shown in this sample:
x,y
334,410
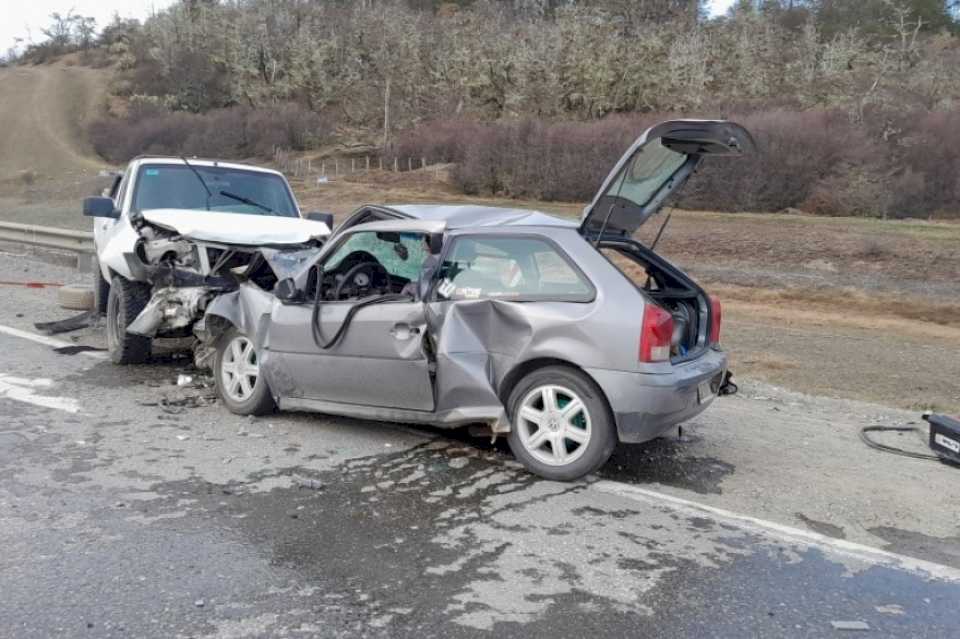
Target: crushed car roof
x,y
463,216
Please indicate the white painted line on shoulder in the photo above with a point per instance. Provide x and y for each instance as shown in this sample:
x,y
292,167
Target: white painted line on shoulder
x,y
850,549
47,341
21,389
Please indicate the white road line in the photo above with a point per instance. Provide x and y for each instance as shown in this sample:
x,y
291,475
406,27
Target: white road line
x,y
22,389
843,547
47,341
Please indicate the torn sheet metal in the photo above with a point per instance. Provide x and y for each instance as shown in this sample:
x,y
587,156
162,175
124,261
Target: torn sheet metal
x,y
169,309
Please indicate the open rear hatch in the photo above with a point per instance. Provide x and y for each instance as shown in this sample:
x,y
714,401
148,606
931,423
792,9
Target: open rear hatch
x,y
653,168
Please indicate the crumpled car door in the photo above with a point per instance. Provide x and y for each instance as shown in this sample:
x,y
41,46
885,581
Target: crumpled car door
x,y
380,360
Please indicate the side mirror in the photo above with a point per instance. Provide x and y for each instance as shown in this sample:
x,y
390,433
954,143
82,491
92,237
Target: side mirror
x,y
100,207
287,292
326,218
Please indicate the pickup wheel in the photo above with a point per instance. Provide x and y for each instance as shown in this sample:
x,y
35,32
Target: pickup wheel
x,y
561,426
236,372
101,289
125,301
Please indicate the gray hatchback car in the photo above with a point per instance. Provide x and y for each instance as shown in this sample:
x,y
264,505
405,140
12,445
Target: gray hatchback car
x,y
566,337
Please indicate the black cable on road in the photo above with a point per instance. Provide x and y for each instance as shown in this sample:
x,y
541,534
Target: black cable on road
x,y
892,449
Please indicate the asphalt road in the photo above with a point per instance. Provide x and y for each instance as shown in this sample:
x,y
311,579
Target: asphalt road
x,y
131,506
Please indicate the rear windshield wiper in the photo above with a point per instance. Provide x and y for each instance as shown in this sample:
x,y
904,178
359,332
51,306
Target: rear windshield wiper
x,y
245,200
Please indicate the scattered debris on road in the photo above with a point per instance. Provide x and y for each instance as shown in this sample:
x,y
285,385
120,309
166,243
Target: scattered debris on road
x,y
850,625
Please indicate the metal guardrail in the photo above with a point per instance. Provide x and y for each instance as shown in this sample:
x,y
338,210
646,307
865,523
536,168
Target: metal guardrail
x,y
47,237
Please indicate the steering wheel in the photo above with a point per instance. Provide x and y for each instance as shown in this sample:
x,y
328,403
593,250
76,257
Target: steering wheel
x,y
360,276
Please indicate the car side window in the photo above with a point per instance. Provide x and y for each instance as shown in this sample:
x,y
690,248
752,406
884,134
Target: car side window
x,y
511,268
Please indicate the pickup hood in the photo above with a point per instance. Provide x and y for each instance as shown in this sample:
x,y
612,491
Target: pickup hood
x,y
236,228
655,166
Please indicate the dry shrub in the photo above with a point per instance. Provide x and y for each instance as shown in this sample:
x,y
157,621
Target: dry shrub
x,y
526,158
816,160
796,151
239,132
929,151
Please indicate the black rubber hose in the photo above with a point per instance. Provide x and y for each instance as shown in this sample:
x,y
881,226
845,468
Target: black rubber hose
x,y
891,449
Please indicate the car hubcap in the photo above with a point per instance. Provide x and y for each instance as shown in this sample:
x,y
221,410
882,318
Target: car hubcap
x,y
239,369
554,425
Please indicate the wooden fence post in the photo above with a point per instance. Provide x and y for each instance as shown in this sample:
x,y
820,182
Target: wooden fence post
x,y
368,164
396,164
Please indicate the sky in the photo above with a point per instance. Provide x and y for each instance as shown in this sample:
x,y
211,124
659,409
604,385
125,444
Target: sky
x,y
719,7
25,18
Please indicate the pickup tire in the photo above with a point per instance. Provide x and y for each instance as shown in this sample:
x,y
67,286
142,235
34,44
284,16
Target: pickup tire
x,y
101,289
125,301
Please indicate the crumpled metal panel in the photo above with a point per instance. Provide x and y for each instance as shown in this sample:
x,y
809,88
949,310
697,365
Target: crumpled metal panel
x,y
478,343
169,308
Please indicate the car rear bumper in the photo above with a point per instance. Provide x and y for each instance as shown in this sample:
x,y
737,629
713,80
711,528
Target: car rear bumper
x,y
646,405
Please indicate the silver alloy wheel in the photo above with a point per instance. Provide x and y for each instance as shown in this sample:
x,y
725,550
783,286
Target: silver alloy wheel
x,y
553,424
239,369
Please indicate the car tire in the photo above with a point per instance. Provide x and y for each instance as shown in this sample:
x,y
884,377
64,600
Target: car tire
x,y
126,300
101,289
236,372
578,431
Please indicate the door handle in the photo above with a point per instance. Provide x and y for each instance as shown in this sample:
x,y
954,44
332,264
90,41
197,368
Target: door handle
x,y
403,331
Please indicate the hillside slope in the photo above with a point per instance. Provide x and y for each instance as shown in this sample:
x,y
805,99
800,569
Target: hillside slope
x,y
46,164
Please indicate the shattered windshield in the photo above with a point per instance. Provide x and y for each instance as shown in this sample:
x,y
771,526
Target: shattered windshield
x,y
174,186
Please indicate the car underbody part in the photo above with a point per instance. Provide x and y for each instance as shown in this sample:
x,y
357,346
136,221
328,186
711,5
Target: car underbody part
x,y
727,387
944,439
74,323
170,309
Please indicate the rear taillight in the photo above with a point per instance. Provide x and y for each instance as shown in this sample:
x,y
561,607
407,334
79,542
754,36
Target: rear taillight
x,y
716,318
656,334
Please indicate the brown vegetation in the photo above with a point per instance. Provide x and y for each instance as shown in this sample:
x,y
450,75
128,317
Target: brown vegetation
x,y
853,101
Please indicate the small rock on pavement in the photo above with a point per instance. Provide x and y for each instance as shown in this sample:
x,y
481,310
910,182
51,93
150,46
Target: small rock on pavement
x,y
184,380
199,603
850,625
459,462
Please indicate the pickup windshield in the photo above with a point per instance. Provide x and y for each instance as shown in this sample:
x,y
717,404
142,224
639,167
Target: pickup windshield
x,y
173,186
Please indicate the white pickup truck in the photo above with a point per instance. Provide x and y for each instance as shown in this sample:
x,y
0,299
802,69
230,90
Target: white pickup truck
x,y
173,233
